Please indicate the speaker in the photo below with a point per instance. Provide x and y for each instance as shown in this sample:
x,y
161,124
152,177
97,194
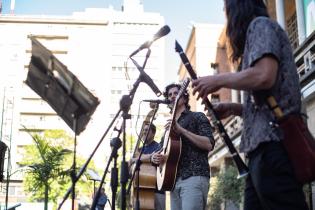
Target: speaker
x,y
3,148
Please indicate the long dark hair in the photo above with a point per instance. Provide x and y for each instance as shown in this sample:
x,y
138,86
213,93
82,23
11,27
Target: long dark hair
x,y
239,14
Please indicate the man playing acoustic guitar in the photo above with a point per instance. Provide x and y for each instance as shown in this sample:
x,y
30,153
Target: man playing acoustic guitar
x,y
192,177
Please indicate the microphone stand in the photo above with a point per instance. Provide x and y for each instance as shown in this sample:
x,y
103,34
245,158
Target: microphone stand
x,y
125,104
83,168
114,179
138,164
115,144
74,164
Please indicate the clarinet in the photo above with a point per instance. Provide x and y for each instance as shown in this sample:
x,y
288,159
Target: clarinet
x,y
241,166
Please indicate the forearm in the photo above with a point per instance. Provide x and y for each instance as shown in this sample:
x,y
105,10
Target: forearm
x,y
259,77
202,142
238,81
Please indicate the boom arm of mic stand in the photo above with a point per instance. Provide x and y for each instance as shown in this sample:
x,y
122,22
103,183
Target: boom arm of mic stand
x,y
88,160
146,58
144,77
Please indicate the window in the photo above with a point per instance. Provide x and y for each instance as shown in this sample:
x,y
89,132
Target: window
x,y
11,190
118,92
215,98
293,31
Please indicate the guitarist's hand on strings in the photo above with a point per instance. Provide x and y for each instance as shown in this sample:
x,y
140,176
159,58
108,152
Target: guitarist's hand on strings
x,y
206,85
176,129
179,130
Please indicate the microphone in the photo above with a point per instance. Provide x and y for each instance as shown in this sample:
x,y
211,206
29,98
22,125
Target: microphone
x,y
158,101
162,32
147,79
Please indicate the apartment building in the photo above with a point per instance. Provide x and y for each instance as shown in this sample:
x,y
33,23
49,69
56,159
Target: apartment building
x,y
94,45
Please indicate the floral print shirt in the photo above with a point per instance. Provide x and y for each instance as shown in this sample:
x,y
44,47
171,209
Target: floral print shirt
x,y
193,160
266,37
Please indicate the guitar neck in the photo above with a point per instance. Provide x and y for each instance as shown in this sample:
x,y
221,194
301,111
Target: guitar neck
x,y
242,168
214,116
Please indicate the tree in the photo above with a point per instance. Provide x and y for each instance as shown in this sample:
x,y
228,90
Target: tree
x,y
225,187
49,161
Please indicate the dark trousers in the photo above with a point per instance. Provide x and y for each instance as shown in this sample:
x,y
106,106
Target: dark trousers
x,y
271,184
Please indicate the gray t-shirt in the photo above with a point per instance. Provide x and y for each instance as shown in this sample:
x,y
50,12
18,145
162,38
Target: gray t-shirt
x,y
266,37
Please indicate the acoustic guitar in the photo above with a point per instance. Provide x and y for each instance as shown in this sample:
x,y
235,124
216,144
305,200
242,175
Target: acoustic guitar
x,y
166,172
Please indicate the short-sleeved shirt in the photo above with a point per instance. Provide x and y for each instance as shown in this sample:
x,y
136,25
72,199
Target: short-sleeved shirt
x,y
265,37
193,160
150,148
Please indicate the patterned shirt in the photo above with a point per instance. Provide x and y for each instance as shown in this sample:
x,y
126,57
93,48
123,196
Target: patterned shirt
x,y
266,37
193,160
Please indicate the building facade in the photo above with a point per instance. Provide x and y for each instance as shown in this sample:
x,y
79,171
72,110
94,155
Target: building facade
x,y
95,46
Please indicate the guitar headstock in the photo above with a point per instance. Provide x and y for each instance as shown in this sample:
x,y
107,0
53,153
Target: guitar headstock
x,y
182,90
185,60
178,48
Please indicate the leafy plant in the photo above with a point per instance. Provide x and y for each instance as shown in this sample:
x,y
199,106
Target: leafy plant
x,y
225,187
50,162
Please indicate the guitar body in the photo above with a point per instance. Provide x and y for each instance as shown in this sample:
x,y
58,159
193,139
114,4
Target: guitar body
x,y
166,172
172,147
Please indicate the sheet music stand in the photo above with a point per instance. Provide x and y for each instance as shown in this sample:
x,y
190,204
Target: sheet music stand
x,y
51,80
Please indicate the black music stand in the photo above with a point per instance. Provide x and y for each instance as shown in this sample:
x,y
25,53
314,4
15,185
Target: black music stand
x,y
14,206
93,176
61,89
51,79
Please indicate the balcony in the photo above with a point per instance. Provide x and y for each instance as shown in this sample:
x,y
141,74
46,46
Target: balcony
x,y
233,127
305,60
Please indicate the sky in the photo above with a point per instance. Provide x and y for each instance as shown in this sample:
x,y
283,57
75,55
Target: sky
x,y
179,16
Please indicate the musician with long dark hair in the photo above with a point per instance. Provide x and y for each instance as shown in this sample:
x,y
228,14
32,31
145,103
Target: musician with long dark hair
x,y
193,173
263,51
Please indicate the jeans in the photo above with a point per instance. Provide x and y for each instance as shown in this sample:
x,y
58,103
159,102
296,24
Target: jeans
x,y
271,184
190,193
159,201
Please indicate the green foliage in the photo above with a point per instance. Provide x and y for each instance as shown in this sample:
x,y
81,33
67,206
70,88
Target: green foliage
x,y
225,187
215,199
46,165
49,161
